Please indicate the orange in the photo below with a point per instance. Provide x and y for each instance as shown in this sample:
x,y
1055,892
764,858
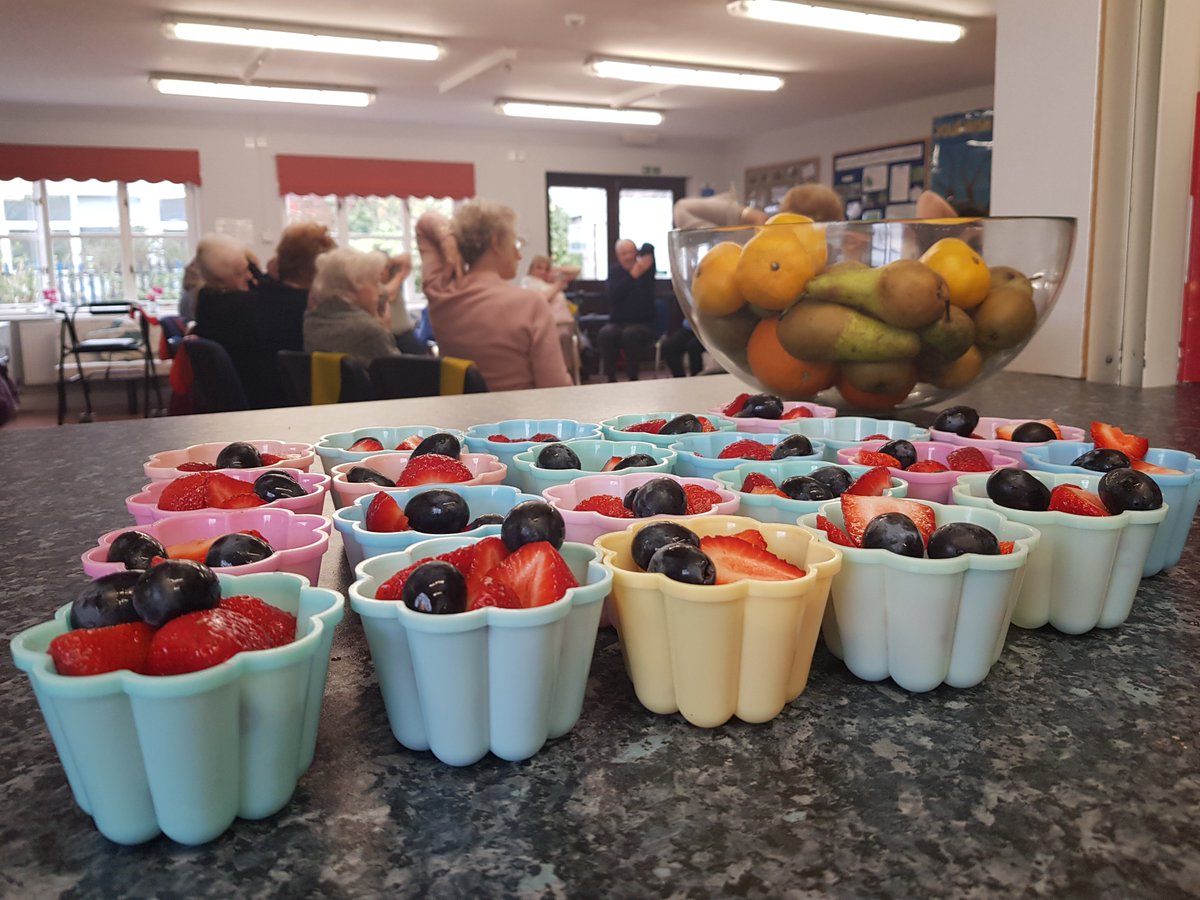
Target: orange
x,y
958,373
864,400
714,286
964,271
774,267
811,235
780,372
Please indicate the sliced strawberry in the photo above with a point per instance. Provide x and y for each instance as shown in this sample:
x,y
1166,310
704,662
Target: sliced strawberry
x,y
536,573
736,560
433,468
272,459
1070,498
876,437
746,449
612,463
1113,438
193,550
872,483
185,492
199,640
1150,469
928,466
706,427
93,651
392,588
800,412
858,511
196,467
968,459
462,558
254,532
489,553
385,514
1007,547
409,443
758,480
500,439
222,488
768,490
650,426
700,499
242,501
493,592
734,406
606,505
874,458
279,625
835,534
753,537
366,445
542,436
1005,432
1053,426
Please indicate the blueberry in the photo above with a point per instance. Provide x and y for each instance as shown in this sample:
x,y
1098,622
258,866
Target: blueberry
x,y
957,538
440,443
761,406
239,455
683,562
659,497
657,535
1123,489
1033,433
277,485
960,420
1102,459
1016,489
531,521
635,461
485,519
367,475
792,445
437,511
172,588
896,533
805,487
835,478
558,456
684,424
135,549
236,550
435,587
901,449
108,600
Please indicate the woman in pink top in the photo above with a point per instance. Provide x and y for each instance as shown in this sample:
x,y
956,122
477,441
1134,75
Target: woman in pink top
x,y
476,313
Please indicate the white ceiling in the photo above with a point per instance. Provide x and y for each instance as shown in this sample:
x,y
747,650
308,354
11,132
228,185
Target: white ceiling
x,y
99,53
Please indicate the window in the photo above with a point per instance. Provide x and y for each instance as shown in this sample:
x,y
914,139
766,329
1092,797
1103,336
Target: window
x,y
587,214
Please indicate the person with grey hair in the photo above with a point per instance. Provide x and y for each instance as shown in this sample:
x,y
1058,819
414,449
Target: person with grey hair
x,y
346,312
222,263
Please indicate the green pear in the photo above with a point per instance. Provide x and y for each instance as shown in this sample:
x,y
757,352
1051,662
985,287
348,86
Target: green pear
x,y
832,332
1005,318
905,293
949,337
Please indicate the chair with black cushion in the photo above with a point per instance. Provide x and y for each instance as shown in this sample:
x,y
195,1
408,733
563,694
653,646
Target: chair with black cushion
x,y
312,379
118,352
396,377
215,383
173,330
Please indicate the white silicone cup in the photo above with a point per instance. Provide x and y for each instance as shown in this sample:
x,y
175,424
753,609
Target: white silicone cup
x,y
333,449
699,453
484,468
755,425
841,432
1181,493
770,508
519,430
1085,571
165,466
143,506
593,455
933,487
987,441
925,622
614,428
498,680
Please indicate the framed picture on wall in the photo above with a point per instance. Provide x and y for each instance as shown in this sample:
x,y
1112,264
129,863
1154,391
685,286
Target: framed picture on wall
x,y
881,182
766,185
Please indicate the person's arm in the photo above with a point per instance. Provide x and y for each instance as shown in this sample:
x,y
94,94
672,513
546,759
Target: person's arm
x,y
564,275
441,263
707,212
545,351
644,264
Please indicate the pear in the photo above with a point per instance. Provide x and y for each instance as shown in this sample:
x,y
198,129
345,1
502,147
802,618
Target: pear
x,y
1005,318
832,332
880,377
1007,276
949,337
905,293
955,374
727,334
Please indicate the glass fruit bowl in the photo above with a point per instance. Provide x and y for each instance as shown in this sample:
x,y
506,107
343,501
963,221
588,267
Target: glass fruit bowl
x,y
870,315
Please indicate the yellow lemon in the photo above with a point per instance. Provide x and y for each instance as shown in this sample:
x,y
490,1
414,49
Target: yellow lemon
x,y
811,235
714,286
964,271
774,267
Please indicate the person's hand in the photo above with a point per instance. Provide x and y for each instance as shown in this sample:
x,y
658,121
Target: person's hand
x,y
449,248
399,266
641,266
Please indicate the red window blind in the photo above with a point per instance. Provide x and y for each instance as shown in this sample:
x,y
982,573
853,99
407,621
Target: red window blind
x,y
346,176
55,163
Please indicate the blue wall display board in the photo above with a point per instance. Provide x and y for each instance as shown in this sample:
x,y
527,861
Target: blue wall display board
x,y
882,182
960,164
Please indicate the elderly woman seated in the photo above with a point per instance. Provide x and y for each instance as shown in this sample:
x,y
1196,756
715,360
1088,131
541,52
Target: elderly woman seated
x,y
346,313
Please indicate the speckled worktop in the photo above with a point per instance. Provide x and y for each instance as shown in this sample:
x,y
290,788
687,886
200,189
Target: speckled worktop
x,y
1071,771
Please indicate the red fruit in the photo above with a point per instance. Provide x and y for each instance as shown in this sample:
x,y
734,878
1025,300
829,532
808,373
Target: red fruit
x,y
222,488
611,464
196,467
410,443
93,651
1007,547
650,426
185,492
872,483
274,459
877,437
254,532
500,439
700,499
462,558
753,537
385,514
394,586
758,480
1053,426
706,427
931,466
280,626
199,640
968,459
606,505
243,501
1005,432
536,573
858,511
542,437
737,560
489,552
1111,437
746,449
735,405
800,412
193,550
1070,498
874,458
433,468
493,592
366,445
835,534
1150,469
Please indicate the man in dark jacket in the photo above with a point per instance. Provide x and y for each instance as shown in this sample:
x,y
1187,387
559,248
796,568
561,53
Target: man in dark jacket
x,y
631,326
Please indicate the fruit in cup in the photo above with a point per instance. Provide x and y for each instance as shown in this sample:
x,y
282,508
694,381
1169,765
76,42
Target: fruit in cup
x,y
366,445
432,468
485,519
1111,437
532,521
894,532
606,505
956,538
367,475
656,535
792,445
135,549
107,600
805,487
968,459
634,461
558,456
237,549
960,420
274,485
1101,459
1077,501
435,587
441,443
1128,489
239,455
437,511
1032,433
659,496
1017,489
835,478
736,559
682,424
682,561
746,449
904,452
172,588
757,406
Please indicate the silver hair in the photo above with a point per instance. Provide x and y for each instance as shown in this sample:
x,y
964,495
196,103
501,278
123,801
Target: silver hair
x,y
219,258
341,272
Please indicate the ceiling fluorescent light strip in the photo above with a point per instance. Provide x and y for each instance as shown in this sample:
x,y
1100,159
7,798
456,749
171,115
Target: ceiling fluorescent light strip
x,y
857,19
313,39
528,109
675,74
318,94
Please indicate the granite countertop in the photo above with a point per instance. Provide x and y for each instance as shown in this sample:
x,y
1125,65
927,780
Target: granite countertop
x,y
1071,771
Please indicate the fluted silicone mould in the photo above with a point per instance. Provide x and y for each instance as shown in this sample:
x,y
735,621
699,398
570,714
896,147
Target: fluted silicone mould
x,y
165,466
841,432
520,430
772,508
699,453
929,486
334,449
593,455
614,428
756,425
143,505
484,468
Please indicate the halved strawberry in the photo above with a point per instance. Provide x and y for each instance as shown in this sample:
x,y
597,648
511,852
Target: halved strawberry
x,y
543,436
1071,498
753,537
706,427
876,437
193,550
1005,432
611,464
279,625
858,511
1053,426
366,445
393,587
1007,547
968,459
735,405
385,514
835,534
198,640
800,412
433,468
928,466
606,505
222,488
1113,438
536,573
249,500
185,492
650,426
758,480
462,558
700,499
872,483
1150,469
746,449
196,467
274,459
736,560
874,458
489,552
93,651
409,443
493,592
500,439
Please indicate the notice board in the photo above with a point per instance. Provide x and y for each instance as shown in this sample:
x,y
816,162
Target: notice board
x,y
960,165
766,185
881,182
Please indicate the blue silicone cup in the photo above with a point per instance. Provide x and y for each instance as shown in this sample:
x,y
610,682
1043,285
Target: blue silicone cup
x,y
522,429
784,510
614,429
841,432
491,680
1181,493
593,455
184,755
361,544
332,448
698,452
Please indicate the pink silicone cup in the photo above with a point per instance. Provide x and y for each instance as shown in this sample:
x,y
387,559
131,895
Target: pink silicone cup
x,y
486,469
585,527
299,541
987,429
165,466
932,486
767,426
143,506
